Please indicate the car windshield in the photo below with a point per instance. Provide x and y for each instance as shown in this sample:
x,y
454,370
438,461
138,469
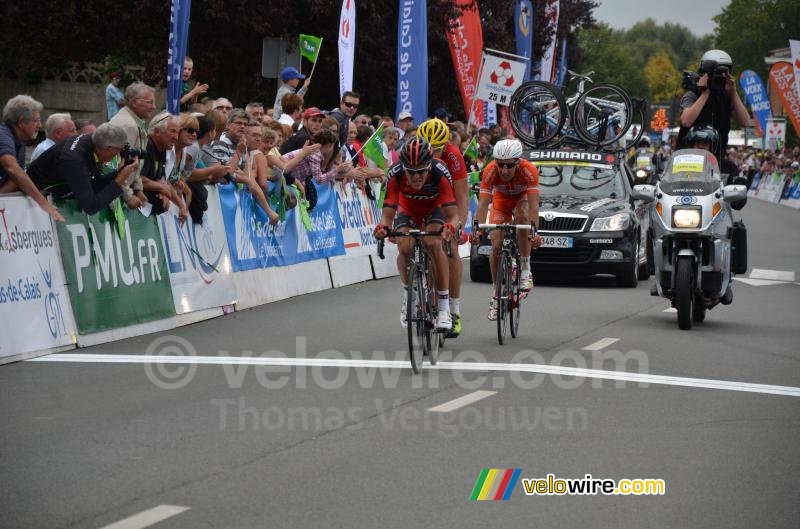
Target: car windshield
x,y
580,180
691,172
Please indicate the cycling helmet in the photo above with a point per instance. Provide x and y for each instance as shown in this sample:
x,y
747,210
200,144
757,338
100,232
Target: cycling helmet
x,y
703,133
435,131
507,150
416,154
719,57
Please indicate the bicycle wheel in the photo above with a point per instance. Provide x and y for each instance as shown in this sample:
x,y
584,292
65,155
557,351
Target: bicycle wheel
x,y
501,297
432,341
415,318
516,301
537,110
603,114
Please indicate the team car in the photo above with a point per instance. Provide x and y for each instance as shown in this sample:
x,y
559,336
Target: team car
x,y
589,219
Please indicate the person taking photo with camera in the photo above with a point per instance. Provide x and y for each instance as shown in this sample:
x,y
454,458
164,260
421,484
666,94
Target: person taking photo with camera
x,y
711,99
78,167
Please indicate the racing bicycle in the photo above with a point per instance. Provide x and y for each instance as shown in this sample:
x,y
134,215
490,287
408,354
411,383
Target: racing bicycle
x,y
422,301
599,115
508,295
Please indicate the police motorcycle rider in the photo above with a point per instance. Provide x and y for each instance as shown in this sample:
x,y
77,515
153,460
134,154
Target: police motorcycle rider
x,y
643,162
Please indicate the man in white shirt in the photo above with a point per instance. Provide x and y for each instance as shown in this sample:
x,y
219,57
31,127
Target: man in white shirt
x,y
57,127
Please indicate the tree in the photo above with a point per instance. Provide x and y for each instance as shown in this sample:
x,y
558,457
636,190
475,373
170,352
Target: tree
x,y
663,79
748,29
610,61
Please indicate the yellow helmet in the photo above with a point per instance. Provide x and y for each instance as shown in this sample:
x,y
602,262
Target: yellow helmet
x,y
435,131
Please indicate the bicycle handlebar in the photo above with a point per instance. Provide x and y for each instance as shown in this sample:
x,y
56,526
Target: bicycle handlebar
x,y
501,226
417,234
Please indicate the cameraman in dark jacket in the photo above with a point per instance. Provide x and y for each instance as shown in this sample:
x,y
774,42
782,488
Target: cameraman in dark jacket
x,y
711,99
77,166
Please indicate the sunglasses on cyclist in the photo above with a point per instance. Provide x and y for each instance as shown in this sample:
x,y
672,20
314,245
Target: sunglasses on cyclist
x,y
417,171
506,165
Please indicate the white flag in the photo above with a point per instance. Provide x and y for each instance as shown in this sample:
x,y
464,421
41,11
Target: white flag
x,y
546,70
347,45
794,45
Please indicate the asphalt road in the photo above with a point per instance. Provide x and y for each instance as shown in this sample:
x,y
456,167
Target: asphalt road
x,y
353,442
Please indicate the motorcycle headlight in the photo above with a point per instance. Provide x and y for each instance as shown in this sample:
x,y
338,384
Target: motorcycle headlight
x,y
641,173
686,217
617,222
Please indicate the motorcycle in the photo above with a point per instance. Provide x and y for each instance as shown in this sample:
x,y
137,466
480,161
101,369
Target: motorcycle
x,y
644,171
695,241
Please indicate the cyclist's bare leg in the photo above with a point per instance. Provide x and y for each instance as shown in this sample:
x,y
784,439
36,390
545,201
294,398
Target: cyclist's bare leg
x,y
496,236
440,265
454,264
521,216
405,246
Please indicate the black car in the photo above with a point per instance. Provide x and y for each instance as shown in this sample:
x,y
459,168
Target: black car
x,y
588,219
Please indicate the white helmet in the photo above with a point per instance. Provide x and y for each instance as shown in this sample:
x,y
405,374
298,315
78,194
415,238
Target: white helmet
x,y
718,56
507,150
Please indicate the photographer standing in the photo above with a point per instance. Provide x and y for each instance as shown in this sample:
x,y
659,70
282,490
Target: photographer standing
x,y
75,166
711,99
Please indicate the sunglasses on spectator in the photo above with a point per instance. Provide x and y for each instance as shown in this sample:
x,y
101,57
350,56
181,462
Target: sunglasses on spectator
x,y
191,130
350,105
506,165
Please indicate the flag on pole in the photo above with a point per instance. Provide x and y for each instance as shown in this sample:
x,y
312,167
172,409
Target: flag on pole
x,y
347,45
178,37
472,149
309,47
373,148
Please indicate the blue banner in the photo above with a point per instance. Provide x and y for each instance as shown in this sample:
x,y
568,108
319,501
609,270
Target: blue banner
x,y
253,243
757,98
523,25
561,73
178,38
412,59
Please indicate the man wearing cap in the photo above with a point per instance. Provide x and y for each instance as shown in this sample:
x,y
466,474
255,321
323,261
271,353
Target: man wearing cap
x,y
76,166
312,122
115,98
405,121
291,79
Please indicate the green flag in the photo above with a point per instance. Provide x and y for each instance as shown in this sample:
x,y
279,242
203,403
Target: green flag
x,y
474,178
309,47
472,149
373,148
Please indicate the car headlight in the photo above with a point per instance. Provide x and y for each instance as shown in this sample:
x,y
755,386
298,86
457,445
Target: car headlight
x,y
617,222
641,173
686,217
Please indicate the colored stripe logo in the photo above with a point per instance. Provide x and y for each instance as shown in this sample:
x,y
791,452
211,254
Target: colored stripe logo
x,y
495,484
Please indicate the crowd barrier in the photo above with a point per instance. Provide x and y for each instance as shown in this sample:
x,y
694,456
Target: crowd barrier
x,y
105,277
776,188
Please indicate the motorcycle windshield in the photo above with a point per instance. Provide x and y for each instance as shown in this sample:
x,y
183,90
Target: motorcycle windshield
x,y
691,172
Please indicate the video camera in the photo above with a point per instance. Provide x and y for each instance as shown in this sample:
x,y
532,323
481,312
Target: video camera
x,y
716,76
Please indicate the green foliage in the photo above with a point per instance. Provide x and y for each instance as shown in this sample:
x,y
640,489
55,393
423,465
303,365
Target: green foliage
x,y
748,29
602,53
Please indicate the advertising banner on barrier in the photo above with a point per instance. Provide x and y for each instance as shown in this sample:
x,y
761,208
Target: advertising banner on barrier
x,y
34,306
197,258
359,216
254,243
113,281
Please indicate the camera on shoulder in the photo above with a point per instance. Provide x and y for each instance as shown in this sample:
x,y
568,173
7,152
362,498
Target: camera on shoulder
x,y
716,76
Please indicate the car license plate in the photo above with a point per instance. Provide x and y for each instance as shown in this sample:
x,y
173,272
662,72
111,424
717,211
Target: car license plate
x,y
556,242
484,250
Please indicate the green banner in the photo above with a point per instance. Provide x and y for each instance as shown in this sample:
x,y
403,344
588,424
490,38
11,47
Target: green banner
x,y
113,282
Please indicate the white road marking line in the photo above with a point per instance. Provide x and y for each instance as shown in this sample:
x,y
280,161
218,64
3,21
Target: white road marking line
x,y
774,275
670,309
599,345
641,378
148,517
758,282
460,402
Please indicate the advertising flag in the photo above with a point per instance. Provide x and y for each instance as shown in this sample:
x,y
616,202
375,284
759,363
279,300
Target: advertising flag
x,y
794,46
347,45
412,59
373,148
178,37
561,72
465,39
546,69
781,76
523,22
757,98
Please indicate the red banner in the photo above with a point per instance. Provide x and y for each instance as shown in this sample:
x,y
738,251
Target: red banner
x,y
781,77
465,38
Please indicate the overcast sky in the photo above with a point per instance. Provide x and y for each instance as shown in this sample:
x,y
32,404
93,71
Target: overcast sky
x,y
622,14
